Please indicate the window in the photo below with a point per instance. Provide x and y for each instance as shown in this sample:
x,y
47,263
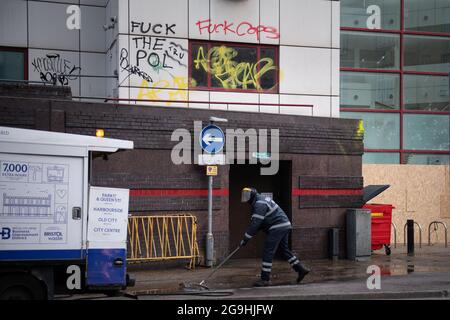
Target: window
x,y
395,65
426,132
381,130
371,14
426,93
381,158
370,51
234,67
420,158
13,64
427,54
370,90
427,16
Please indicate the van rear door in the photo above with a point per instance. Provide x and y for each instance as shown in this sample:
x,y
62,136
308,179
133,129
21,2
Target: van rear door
x,y
107,236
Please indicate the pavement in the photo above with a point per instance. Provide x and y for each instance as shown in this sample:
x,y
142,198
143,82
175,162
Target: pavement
x,y
426,275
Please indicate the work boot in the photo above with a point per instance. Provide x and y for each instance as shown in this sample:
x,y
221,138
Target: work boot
x,y
262,283
302,272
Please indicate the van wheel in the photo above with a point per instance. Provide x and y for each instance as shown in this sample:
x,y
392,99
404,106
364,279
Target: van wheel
x,y
21,287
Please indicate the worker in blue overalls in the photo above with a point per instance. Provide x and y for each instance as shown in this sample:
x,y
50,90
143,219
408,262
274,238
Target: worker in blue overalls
x,y
269,217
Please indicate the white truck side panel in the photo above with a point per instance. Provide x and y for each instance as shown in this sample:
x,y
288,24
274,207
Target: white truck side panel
x,y
37,195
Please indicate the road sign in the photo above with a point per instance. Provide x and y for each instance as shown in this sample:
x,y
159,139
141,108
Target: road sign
x,y
212,139
211,159
211,170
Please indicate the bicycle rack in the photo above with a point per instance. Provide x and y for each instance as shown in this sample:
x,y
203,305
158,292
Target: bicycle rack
x,y
395,234
436,223
420,234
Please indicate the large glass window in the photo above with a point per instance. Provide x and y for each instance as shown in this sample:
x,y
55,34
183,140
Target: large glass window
x,y
12,64
381,130
426,93
427,54
370,51
426,132
381,157
394,76
420,158
427,15
370,90
371,14
234,67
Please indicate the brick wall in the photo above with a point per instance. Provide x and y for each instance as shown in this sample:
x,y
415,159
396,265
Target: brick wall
x,y
325,154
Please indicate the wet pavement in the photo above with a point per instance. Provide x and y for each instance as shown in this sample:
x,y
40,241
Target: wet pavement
x,y
242,273
424,275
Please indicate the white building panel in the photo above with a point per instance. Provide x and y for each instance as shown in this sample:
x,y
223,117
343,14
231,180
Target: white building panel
x,y
112,68
305,70
55,67
92,33
157,62
112,12
163,97
335,107
123,15
92,64
236,21
247,99
13,23
198,11
295,104
270,18
335,24
305,23
48,28
272,99
198,99
335,75
166,18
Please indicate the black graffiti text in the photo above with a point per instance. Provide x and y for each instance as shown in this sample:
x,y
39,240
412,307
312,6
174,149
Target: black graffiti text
x,y
156,28
53,69
176,53
125,65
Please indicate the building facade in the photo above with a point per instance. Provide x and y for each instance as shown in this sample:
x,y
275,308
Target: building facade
x,y
383,61
245,55
395,63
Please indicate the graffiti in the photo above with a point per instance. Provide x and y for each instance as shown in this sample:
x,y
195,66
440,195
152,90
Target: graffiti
x,y
125,65
156,28
176,53
221,64
156,52
242,29
150,56
53,69
176,89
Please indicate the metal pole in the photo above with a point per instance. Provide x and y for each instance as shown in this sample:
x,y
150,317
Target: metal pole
x,y
209,235
410,236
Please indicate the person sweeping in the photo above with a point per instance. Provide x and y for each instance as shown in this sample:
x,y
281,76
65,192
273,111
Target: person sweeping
x,y
272,220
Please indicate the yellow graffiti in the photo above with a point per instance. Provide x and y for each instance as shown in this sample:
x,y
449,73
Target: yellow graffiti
x,y
164,90
231,74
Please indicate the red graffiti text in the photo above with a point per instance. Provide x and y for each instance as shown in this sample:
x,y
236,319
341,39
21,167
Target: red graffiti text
x,y
242,29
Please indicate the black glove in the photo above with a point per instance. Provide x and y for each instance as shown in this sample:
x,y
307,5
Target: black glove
x,y
243,242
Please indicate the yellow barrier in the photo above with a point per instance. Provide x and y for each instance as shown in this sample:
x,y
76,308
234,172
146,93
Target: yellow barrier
x,y
159,238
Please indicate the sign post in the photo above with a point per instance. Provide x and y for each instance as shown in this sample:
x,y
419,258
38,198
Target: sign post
x,y
212,140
